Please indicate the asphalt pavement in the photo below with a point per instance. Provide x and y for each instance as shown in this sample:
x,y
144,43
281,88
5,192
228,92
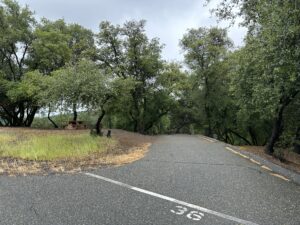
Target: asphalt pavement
x,y
182,180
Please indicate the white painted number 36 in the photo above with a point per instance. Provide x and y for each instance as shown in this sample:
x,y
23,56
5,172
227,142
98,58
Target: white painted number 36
x,y
193,215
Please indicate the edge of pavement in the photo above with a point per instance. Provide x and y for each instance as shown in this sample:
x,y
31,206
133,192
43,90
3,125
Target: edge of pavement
x,y
272,168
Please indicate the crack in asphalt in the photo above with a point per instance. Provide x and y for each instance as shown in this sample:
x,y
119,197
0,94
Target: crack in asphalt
x,y
32,207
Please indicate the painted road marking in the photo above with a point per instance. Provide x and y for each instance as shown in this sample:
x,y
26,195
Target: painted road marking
x,y
192,215
244,156
208,139
202,209
258,163
252,160
266,168
230,149
238,153
180,210
279,176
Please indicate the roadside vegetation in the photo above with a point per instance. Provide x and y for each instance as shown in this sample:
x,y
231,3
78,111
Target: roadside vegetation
x,y
44,151
52,145
117,78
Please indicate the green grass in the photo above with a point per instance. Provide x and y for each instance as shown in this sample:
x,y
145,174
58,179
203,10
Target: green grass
x,y
5,138
52,146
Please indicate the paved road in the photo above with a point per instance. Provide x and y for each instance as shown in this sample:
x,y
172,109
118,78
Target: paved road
x,y
182,180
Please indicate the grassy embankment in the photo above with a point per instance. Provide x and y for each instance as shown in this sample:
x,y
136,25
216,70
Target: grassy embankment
x,y
51,145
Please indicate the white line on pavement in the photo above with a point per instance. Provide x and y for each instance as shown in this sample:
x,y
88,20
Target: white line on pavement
x,y
222,215
230,149
254,161
208,139
266,168
280,176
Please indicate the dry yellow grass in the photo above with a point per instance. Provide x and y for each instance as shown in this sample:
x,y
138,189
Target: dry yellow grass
x,y
131,156
129,148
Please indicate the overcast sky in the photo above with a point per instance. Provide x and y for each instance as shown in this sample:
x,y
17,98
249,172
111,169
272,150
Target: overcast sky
x,y
166,19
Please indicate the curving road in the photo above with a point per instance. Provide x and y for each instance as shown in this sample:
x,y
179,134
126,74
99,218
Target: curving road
x,y
182,180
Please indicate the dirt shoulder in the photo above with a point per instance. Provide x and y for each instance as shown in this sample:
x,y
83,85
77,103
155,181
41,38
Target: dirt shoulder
x,y
130,147
291,162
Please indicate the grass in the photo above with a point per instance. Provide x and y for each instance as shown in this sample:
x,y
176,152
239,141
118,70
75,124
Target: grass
x,y
5,138
52,146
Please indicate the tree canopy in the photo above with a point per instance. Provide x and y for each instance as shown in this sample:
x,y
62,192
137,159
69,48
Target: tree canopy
x,y
246,95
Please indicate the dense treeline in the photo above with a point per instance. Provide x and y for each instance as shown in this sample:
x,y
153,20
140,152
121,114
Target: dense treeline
x,y
244,96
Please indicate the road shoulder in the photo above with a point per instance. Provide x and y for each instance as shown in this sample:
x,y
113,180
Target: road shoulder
x,y
273,168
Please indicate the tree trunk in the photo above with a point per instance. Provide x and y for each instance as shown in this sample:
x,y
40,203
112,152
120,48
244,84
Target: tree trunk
x,y
109,122
135,125
136,115
297,141
14,114
208,131
253,136
5,120
240,136
141,127
8,117
21,111
74,112
49,118
30,116
276,131
177,131
98,125
150,124
278,122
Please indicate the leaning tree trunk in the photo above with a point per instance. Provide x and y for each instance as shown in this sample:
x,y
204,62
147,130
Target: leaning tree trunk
x,y
240,136
276,131
278,122
49,118
98,125
30,116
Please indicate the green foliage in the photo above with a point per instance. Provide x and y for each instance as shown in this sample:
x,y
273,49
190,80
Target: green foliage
x,y
203,47
62,119
81,43
50,49
42,121
267,75
57,44
117,78
16,36
127,53
27,88
205,52
71,84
